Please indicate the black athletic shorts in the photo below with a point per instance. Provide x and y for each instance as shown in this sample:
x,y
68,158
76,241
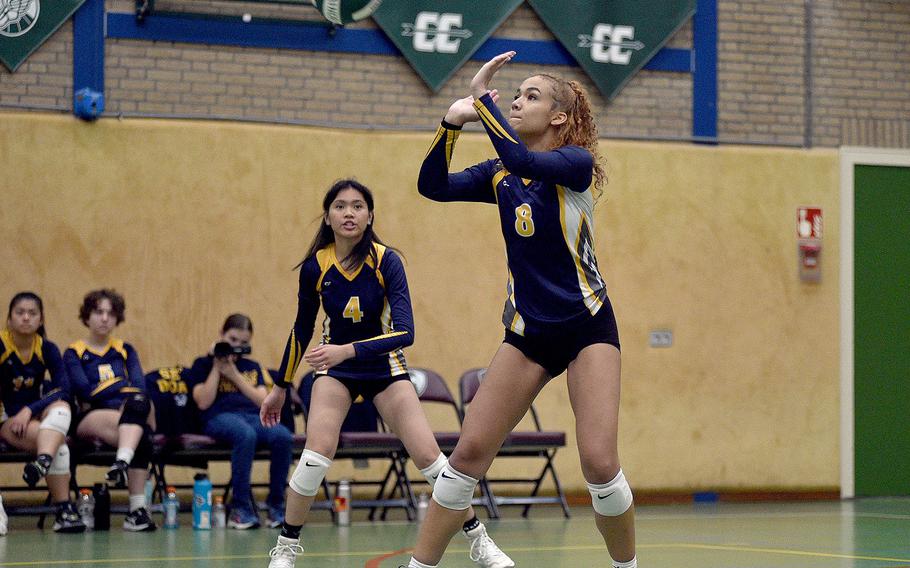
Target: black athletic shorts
x,y
557,347
368,388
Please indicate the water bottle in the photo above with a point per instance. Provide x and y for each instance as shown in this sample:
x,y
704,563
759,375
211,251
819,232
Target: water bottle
x,y
343,503
423,504
171,508
149,492
202,502
102,507
219,515
86,508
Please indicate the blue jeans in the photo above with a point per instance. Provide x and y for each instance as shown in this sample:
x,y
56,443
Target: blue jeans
x,y
244,432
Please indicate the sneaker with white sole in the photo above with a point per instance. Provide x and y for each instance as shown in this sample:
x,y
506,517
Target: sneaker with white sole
x,y
4,520
67,519
139,521
484,551
285,553
243,520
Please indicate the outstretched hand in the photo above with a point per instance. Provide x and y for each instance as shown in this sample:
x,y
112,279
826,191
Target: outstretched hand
x,y
481,81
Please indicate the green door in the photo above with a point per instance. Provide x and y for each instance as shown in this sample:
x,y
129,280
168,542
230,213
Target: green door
x,y
882,330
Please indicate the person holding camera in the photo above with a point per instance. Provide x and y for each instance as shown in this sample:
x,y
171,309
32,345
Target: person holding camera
x,y
228,387
108,382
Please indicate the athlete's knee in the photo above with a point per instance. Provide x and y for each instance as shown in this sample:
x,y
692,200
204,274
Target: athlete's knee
x,y
613,498
58,419
454,490
432,471
309,473
136,409
598,465
61,462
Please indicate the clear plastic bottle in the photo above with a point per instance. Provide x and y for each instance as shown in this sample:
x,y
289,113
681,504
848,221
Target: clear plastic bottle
x,y
86,508
343,503
219,514
423,504
171,508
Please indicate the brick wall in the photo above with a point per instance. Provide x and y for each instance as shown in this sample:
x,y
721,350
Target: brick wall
x,y
860,77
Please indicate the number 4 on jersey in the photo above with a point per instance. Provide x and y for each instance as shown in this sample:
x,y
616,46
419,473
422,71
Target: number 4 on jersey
x,y
352,310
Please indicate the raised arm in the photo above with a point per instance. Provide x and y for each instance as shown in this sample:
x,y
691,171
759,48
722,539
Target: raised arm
x,y
436,183
569,166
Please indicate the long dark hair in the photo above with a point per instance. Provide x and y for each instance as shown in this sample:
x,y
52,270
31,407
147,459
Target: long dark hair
x,y
325,236
22,296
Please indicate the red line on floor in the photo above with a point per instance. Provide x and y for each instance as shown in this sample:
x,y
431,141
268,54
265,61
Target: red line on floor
x,y
374,562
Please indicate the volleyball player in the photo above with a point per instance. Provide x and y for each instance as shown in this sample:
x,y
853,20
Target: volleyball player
x,y
363,290
557,315
36,410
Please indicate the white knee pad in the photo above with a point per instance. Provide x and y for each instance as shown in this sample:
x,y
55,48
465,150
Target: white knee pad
x,y
310,471
58,419
454,490
61,463
611,499
432,471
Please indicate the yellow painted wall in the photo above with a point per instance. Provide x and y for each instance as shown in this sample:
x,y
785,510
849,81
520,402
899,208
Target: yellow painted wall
x,y
193,220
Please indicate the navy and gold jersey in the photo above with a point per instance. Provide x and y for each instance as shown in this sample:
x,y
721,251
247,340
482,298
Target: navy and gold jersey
x,y
370,307
103,378
546,214
228,398
36,381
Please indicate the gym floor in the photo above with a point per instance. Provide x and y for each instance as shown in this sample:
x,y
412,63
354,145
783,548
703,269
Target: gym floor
x,y
866,533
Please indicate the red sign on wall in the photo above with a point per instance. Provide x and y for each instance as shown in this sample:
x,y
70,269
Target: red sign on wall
x,y
809,222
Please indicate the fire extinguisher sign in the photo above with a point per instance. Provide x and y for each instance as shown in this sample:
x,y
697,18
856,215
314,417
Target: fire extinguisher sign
x,y
809,223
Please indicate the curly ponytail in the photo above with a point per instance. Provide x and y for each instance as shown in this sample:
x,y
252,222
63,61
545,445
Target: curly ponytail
x,y
579,128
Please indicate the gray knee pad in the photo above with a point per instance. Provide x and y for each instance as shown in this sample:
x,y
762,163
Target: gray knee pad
x,y
454,490
309,473
61,463
613,498
58,419
432,471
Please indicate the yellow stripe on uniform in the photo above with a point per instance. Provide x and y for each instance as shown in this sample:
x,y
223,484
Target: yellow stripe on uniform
x,y
440,132
292,358
383,336
487,117
105,384
451,138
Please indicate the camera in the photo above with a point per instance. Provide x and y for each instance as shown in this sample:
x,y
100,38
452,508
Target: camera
x,y
224,349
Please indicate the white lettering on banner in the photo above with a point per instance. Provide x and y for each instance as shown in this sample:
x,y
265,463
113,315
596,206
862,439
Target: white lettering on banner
x,y
435,32
607,43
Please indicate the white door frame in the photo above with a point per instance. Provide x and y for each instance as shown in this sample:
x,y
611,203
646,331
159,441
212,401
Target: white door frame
x,y
849,158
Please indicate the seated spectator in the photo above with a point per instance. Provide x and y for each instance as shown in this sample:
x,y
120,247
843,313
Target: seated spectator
x,y
36,410
107,380
228,387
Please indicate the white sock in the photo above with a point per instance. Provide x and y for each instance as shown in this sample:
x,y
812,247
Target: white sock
x,y
125,454
630,564
137,502
414,564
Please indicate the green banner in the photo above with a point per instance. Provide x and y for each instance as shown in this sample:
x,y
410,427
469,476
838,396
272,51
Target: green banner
x,y
26,24
612,40
438,36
